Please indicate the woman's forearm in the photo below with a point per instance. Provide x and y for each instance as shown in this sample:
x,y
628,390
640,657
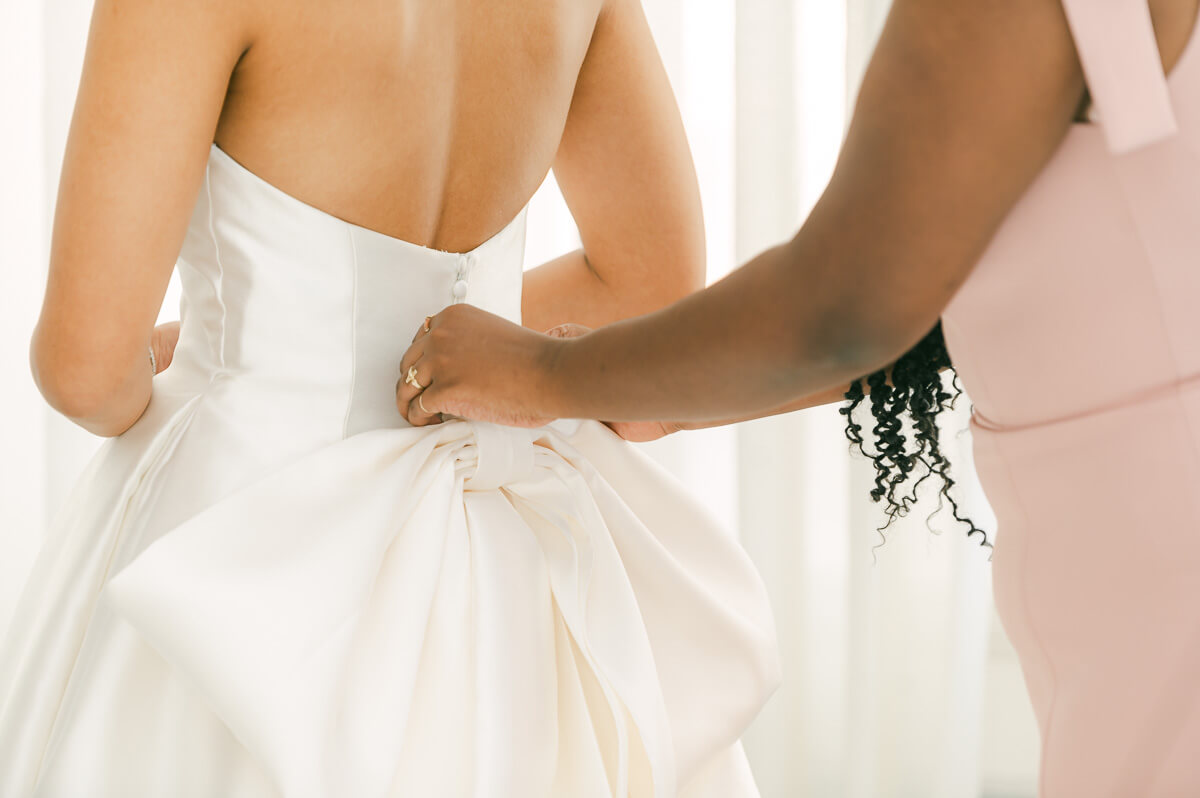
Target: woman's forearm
x,y
746,347
802,403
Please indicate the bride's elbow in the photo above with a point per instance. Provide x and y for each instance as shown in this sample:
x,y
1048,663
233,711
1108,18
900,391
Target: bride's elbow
x,y
87,391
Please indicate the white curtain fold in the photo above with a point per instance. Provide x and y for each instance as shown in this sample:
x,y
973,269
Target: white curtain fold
x,y
23,233
898,681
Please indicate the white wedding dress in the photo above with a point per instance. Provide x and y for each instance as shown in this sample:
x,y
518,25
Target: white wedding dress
x,y
272,586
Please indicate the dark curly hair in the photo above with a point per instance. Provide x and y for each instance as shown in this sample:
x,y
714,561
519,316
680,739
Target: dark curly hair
x,y
912,389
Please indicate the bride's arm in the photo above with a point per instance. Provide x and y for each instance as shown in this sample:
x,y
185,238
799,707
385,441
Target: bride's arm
x,y
626,173
154,80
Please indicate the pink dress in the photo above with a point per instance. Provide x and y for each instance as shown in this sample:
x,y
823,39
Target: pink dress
x,y
1078,340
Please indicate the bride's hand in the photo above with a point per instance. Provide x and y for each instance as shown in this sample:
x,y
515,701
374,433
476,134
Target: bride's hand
x,y
472,364
163,341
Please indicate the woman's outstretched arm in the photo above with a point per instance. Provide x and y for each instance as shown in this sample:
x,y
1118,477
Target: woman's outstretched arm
x,y
961,107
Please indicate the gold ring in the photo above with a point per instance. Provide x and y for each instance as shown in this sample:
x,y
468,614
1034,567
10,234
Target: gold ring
x,y
411,379
425,326
421,403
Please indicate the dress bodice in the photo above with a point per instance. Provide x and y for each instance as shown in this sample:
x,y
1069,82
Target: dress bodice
x,y
1086,296
302,303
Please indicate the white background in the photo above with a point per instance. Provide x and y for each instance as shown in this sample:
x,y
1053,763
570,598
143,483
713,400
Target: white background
x,y
899,681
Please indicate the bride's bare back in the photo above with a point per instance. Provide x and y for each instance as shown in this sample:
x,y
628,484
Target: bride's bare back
x,y
432,121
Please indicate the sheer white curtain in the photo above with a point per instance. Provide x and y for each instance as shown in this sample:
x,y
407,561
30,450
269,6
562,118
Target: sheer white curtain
x,y
898,680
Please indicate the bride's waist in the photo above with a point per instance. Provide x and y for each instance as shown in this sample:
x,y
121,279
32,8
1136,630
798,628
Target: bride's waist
x,y
306,389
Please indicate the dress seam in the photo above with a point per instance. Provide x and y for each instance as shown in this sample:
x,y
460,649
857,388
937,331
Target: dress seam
x,y
1154,393
219,283
353,330
1030,621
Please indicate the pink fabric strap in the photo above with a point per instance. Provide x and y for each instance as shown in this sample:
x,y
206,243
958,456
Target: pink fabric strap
x,y
1120,58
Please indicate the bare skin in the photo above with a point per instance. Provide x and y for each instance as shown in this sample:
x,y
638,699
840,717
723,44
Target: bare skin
x,y
433,122
961,107
644,431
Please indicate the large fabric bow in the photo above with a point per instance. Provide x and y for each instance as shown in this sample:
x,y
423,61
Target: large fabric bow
x,y
463,610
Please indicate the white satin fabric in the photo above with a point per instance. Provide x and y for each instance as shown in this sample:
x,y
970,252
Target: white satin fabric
x,y
272,586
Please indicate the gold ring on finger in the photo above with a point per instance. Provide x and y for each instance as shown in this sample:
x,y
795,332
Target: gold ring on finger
x,y
411,379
